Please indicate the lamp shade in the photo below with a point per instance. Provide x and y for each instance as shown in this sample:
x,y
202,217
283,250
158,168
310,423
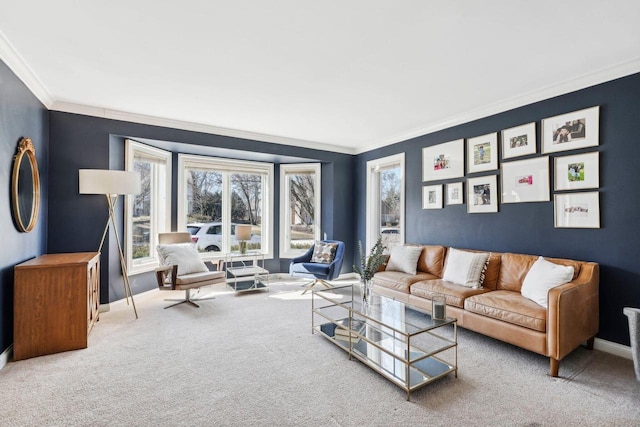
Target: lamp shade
x,y
243,232
105,181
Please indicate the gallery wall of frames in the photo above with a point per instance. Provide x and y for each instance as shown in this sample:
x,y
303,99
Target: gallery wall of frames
x,y
506,166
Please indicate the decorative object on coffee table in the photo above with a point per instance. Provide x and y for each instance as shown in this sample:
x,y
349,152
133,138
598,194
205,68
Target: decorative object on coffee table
x,y
438,307
634,333
368,267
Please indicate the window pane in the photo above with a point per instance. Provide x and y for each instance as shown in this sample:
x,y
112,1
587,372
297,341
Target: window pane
x,y
302,209
142,213
246,208
204,208
390,190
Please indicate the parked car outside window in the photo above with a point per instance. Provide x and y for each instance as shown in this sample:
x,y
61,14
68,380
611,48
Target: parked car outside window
x,y
208,236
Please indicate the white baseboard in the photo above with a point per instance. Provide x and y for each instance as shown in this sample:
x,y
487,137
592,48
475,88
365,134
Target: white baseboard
x,y
613,348
6,356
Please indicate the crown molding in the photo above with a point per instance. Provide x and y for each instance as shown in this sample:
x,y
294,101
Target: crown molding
x,y
580,82
10,56
69,107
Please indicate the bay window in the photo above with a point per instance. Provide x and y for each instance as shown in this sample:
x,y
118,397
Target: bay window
x,y
215,195
299,208
147,213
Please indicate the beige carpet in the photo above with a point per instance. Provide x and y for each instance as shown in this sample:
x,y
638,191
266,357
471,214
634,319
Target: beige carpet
x,y
252,360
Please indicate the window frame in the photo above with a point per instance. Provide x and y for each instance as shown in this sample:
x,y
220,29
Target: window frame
x,y
156,156
228,167
285,212
373,197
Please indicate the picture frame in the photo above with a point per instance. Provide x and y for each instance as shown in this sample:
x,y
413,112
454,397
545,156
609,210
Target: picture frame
x,y
519,141
443,161
482,153
432,197
455,196
482,194
525,181
577,210
577,172
571,131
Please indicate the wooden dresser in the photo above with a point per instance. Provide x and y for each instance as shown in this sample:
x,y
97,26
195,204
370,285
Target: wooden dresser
x,y
56,302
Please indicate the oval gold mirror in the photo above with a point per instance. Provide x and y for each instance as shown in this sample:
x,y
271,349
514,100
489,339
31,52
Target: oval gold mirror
x,y
25,186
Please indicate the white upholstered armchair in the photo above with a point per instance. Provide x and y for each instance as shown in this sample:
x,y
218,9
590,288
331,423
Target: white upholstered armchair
x,y
182,268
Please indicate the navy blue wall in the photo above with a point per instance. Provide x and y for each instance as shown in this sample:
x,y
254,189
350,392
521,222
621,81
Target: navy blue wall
x,y
76,221
21,115
529,227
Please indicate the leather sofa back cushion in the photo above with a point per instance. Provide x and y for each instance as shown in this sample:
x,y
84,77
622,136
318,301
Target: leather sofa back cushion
x,y
432,260
514,268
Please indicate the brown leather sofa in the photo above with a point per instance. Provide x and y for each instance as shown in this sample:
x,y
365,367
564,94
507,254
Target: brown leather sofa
x,y
498,309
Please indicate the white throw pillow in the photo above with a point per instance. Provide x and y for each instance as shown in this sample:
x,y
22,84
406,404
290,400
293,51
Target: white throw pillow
x,y
543,276
465,268
183,254
404,258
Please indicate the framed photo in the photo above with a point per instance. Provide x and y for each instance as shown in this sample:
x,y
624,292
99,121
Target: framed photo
x,y
432,197
482,194
482,153
526,180
443,161
570,131
577,172
577,210
454,193
519,141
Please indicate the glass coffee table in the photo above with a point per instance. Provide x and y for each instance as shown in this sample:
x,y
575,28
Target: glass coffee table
x,y
398,341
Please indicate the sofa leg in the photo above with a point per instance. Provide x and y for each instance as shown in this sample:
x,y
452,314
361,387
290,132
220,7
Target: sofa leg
x,y
590,343
554,367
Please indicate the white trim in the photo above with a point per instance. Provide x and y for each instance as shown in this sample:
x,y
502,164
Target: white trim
x,y
613,348
6,356
373,192
583,81
10,56
285,214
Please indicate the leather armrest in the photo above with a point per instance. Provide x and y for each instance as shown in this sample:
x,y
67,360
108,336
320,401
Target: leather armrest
x,y
573,312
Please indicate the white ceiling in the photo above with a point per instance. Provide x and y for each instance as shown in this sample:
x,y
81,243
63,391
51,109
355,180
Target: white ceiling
x,y
345,76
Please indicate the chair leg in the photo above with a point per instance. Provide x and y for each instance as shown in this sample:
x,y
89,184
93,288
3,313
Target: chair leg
x,y
312,284
187,300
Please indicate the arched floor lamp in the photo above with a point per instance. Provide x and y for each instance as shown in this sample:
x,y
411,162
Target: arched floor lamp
x,y
112,183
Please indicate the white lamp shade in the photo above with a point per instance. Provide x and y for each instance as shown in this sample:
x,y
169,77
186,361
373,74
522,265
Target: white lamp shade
x,y
243,232
105,181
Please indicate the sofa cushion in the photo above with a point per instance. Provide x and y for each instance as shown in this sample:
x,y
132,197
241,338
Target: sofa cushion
x,y
198,278
404,258
432,259
510,307
454,294
399,281
184,255
465,268
543,276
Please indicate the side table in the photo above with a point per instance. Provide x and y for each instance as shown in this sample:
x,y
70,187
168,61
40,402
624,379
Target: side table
x,y
246,272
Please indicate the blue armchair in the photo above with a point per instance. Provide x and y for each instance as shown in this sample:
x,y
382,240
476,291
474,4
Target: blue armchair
x,y
321,272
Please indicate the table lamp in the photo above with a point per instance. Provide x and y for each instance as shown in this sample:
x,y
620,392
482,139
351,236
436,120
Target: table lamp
x,y
243,233
112,183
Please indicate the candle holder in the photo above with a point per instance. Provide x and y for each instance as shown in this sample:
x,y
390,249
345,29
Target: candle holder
x,y
438,307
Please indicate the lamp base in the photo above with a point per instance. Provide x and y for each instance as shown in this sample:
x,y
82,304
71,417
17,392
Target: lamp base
x,y
243,247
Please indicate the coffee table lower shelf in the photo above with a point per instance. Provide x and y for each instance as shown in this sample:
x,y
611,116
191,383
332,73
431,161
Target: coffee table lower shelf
x,y
423,368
